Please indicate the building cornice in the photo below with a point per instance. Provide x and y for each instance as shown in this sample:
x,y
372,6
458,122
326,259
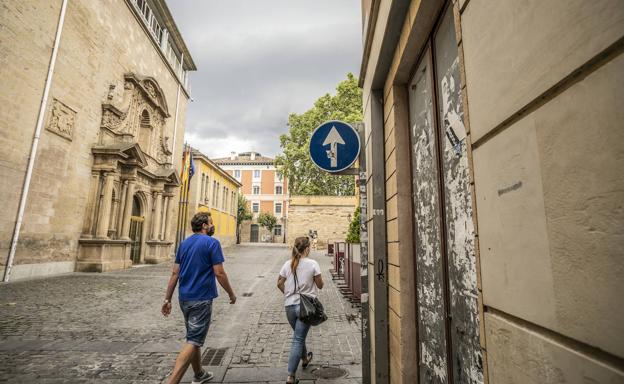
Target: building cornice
x,y
221,171
172,28
376,60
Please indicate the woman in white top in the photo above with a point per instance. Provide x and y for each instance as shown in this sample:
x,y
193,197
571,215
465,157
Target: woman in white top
x,y
308,275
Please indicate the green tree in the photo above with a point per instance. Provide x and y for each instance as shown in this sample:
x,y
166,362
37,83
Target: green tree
x,y
268,221
242,214
353,235
305,178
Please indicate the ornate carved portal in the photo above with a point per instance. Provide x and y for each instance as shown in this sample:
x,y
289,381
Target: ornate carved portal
x,y
132,166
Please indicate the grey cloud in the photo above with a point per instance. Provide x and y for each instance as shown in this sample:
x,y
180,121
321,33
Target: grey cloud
x,y
259,61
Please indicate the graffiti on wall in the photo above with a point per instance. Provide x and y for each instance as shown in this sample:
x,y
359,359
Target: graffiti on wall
x,y
429,271
459,227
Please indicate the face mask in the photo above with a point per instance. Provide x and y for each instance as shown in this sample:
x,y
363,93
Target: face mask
x,y
211,230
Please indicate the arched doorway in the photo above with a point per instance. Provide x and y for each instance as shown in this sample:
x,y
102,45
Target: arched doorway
x,y
136,230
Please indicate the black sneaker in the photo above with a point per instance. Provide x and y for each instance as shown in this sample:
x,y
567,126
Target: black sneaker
x,y
204,378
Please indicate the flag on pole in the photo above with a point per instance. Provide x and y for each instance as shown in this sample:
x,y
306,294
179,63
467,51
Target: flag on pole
x,y
191,170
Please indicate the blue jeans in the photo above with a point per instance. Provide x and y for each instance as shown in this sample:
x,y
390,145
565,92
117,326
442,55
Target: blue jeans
x,y
197,316
298,348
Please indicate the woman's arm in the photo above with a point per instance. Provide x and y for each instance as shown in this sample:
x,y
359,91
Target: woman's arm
x,y
318,280
280,283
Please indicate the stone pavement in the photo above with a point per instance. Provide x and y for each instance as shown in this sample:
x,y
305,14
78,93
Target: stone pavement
x,y
107,328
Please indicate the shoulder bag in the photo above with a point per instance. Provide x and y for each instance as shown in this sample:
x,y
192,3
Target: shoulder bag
x,y
311,310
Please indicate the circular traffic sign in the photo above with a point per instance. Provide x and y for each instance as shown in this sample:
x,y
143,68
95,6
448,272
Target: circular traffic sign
x,y
334,146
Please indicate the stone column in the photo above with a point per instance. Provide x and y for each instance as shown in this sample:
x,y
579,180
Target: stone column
x,y
127,212
122,206
112,225
87,228
157,215
165,224
101,232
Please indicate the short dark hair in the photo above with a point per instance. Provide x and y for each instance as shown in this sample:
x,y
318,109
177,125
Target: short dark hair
x,y
199,220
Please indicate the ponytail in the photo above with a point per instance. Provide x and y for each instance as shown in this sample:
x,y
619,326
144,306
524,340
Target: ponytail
x,y
300,247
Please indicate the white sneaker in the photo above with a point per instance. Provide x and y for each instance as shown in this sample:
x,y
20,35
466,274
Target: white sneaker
x,y
204,378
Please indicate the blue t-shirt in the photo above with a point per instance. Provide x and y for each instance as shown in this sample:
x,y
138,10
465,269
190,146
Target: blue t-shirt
x,y
196,256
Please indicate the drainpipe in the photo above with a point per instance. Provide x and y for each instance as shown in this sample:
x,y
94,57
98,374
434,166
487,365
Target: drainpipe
x,y
35,143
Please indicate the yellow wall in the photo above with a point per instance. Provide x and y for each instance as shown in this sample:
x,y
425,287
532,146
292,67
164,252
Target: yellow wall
x,y
224,218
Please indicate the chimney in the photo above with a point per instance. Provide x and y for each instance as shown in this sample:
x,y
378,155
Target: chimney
x,y
253,156
232,155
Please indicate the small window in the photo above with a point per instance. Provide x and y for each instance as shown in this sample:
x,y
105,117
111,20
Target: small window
x,y
278,175
256,190
278,190
278,208
277,230
237,174
255,207
257,174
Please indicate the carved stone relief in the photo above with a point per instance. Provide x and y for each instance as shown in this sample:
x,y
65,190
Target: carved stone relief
x,y
62,119
124,118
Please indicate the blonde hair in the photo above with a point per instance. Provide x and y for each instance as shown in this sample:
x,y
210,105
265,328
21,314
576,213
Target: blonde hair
x,y
299,249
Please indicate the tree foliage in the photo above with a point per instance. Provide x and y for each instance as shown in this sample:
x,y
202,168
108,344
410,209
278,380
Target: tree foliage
x,y
304,178
353,235
242,213
267,220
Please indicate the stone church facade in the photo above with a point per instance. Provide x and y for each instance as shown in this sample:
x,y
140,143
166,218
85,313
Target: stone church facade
x,y
104,188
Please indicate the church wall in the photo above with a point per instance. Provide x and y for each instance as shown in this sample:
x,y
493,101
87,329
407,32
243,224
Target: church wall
x,y
99,44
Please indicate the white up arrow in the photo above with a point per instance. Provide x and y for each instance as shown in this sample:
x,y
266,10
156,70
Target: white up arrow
x,y
333,139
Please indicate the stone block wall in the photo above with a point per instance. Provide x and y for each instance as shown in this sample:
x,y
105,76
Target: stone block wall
x,y
549,186
540,87
327,215
99,44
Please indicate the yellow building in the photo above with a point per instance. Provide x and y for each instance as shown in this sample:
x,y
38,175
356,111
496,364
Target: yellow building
x,y
214,190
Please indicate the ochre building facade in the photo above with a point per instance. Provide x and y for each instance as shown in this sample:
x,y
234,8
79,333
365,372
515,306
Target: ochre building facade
x,y
266,191
495,190
104,189
214,190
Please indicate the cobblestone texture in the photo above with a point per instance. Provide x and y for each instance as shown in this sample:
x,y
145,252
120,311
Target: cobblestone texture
x,y
107,328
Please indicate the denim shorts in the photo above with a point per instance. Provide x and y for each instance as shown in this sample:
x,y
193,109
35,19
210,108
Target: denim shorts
x,y
197,316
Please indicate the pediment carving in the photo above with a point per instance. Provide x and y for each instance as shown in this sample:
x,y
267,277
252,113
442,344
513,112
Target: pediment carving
x,y
139,114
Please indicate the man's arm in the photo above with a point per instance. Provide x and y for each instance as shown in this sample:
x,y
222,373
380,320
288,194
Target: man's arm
x,y
223,280
173,281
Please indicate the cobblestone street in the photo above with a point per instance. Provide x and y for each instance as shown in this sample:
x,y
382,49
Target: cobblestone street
x,y
107,328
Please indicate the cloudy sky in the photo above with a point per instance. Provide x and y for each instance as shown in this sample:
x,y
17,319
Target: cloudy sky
x,y
258,61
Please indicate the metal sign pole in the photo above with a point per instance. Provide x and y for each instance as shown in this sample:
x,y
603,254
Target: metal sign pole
x,y
346,145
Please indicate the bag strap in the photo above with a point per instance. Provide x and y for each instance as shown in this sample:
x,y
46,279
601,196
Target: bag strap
x,y
296,280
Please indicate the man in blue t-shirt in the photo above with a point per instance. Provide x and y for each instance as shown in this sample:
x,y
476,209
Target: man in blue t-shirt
x,y
198,263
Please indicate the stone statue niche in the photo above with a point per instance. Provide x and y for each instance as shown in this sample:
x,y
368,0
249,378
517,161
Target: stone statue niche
x,y
139,118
